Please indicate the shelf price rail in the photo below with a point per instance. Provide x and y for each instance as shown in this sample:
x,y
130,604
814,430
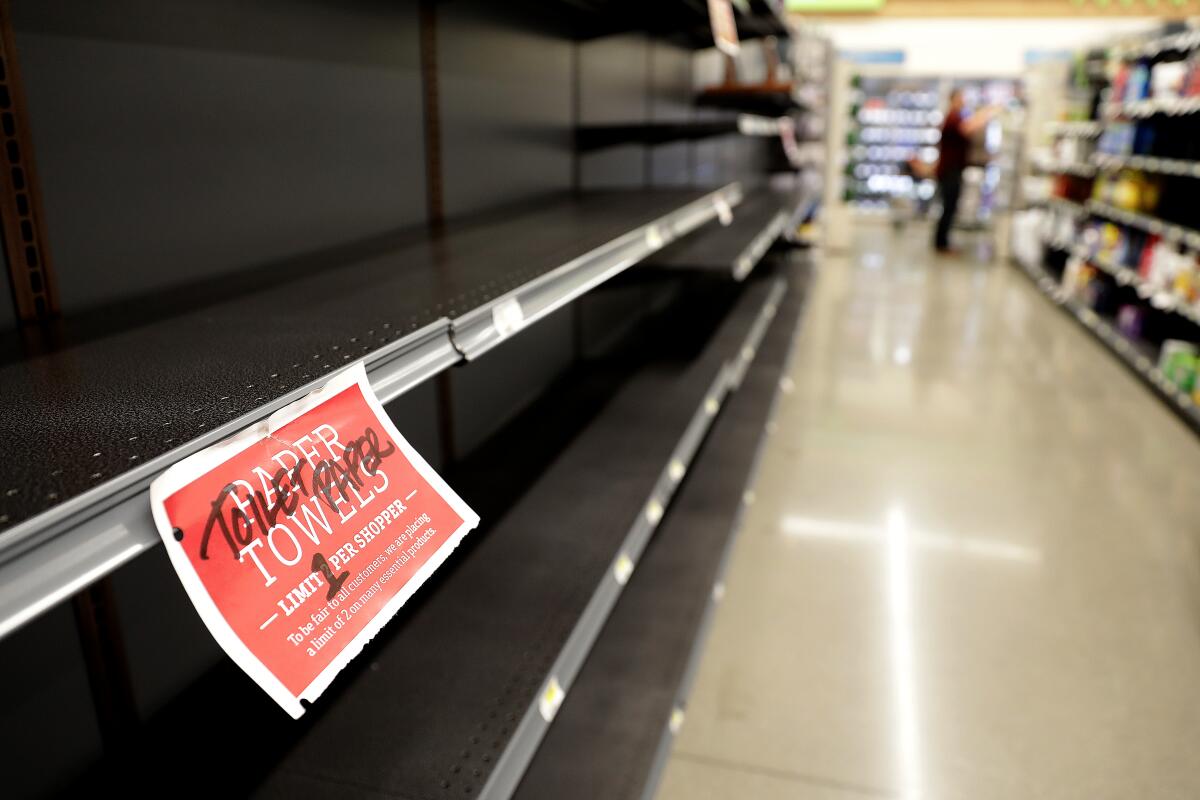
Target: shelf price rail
x,y
408,313
630,699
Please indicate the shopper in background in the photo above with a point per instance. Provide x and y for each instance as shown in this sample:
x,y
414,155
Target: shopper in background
x,y
957,130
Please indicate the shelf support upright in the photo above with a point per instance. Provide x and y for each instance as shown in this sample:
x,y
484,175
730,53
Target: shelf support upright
x,y
35,297
435,210
34,291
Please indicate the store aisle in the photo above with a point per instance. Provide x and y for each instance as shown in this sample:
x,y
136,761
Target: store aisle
x,y
970,570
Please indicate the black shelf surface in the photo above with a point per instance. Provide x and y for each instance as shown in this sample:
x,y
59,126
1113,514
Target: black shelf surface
x,y
89,423
614,730
732,249
595,137
441,702
750,100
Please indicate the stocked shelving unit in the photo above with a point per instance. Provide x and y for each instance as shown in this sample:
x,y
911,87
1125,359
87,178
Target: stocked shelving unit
x,y
893,121
1120,248
1136,355
581,324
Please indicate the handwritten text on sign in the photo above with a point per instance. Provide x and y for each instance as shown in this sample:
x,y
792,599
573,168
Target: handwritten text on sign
x,y
300,537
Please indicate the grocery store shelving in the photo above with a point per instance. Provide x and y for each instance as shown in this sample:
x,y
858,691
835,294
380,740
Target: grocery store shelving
x,y
1082,129
768,100
1164,166
1078,169
594,137
1137,356
1065,205
683,21
1148,107
1157,298
498,640
82,509
626,710
1181,42
733,249
1151,224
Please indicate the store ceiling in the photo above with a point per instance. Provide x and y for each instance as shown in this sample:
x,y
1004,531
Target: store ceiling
x,y
994,8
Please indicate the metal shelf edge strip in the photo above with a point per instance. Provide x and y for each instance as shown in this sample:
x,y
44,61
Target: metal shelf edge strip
x,y
479,330
745,263
688,679
74,544
515,758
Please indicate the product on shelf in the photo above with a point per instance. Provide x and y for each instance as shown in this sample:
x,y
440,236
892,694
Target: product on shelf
x,y
1167,79
1129,189
1130,320
1177,362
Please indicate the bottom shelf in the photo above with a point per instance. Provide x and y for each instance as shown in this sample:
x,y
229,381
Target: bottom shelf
x,y
1138,356
614,731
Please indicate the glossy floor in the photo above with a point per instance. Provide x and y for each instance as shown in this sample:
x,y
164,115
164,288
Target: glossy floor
x,y
970,570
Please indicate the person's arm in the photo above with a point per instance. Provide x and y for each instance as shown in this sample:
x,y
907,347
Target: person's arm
x,y
977,121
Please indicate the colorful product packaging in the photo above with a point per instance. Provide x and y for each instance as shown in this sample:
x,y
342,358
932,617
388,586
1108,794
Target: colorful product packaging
x,y
1177,362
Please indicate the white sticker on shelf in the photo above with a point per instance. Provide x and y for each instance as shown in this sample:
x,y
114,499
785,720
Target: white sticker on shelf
x,y
654,512
654,237
551,699
676,723
622,569
676,470
724,212
508,317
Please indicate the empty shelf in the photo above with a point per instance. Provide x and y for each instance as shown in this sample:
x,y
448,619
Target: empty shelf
x,y
614,730
595,137
89,425
449,697
770,100
736,248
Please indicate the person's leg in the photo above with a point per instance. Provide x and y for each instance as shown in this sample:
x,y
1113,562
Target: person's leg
x,y
951,186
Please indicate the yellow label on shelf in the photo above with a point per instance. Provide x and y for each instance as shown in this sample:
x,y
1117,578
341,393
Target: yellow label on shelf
x,y
623,568
551,699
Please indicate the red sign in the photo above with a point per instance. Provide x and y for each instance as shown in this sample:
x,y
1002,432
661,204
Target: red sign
x,y
298,539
